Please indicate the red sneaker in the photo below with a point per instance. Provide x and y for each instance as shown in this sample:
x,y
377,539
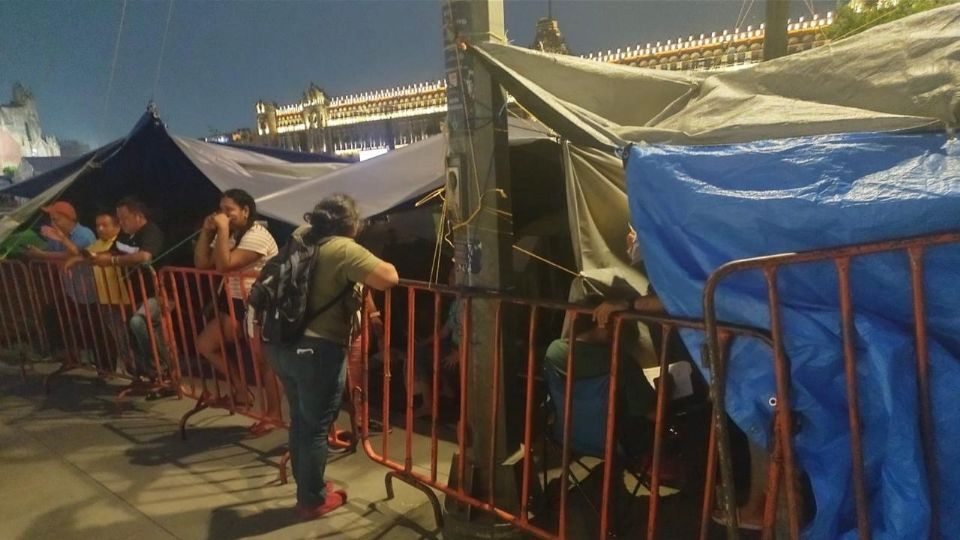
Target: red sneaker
x,y
334,500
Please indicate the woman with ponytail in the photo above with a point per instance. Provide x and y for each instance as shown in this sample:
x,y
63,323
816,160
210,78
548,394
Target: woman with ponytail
x,y
313,369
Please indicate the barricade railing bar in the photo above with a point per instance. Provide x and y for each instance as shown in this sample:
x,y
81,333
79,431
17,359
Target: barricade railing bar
x,y
19,315
523,321
914,250
519,331
86,314
242,381
202,299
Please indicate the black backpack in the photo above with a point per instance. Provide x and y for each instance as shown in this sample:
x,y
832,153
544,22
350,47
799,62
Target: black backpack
x,y
280,295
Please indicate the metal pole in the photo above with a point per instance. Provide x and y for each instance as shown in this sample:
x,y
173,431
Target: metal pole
x,y
477,186
776,13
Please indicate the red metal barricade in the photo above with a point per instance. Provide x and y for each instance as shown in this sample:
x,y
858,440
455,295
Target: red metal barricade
x,y
20,330
783,467
200,302
87,312
243,381
524,323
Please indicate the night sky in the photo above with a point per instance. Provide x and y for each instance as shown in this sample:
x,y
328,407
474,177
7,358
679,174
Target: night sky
x,y
220,57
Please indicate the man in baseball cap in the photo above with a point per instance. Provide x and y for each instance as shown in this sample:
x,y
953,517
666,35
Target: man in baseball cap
x,y
65,239
62,208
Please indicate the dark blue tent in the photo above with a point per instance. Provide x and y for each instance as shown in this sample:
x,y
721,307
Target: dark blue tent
x,y
150,164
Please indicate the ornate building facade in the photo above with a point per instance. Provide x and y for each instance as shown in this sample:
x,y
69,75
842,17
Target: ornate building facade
x,y
372,122
719,50
354,124
20,122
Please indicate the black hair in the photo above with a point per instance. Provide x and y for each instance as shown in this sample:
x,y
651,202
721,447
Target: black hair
x,y
134,205
243,200
335,215
105,212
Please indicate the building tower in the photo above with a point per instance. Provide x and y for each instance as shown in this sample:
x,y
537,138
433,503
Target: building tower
x,y
548,37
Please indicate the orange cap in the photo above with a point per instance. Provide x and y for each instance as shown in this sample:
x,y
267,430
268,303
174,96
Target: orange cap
x,y
62,207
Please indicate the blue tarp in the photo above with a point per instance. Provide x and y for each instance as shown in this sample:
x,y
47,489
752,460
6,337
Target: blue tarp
x,y
697,208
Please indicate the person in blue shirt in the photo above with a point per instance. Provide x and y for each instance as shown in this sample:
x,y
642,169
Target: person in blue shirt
x,y
65,238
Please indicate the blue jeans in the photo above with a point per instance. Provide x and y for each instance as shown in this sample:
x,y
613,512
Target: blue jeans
x,y
142,348
313,373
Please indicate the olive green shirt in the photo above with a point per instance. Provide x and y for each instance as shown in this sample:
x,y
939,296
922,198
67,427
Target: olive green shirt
x,y
340,261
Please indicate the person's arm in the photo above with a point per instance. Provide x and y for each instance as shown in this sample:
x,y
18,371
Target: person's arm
x,y
361,266
384,276
55,239
70,249
73,261
125,259
37,254
650,302
376,321
152,246
221,244
603,312
203,253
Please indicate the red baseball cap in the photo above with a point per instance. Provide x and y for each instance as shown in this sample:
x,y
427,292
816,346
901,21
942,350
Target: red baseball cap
x,y
62,207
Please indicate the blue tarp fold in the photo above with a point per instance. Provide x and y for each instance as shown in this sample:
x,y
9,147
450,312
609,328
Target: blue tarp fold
x,y
696,208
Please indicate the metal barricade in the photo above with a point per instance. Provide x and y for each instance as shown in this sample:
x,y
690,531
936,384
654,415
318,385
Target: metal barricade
x,y
783,466
201,299
524,320
87,314
21,333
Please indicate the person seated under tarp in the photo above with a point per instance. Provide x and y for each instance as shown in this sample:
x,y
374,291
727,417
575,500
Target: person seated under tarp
x,y
591,366
591,362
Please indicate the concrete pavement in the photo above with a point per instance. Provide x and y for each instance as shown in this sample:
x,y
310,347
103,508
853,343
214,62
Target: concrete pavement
x,y
71,468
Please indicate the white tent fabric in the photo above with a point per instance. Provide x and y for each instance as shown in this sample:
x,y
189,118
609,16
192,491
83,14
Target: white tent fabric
x,y
377,184
258,174
900,76
385,181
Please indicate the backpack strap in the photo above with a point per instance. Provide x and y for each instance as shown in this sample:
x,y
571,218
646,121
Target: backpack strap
x,y
336,299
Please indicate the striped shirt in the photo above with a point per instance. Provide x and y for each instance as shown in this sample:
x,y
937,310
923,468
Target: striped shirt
x,y
258,240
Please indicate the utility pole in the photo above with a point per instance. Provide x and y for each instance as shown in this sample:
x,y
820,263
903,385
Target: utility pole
x,y
776,13
478,184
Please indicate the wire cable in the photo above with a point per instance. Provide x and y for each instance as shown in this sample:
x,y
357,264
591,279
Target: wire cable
x,y
116,53
163,46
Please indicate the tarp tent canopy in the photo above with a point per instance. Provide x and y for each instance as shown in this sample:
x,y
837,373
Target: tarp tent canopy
x,y
898,76
32,166
846,143
385,181
179,179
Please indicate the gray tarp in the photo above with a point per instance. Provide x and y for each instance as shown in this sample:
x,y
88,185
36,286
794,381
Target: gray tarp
x,y
598,217
898,76
257,174
385,181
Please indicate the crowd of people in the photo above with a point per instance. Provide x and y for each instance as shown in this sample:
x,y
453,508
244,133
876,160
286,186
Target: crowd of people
x,y
312,369
231,241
